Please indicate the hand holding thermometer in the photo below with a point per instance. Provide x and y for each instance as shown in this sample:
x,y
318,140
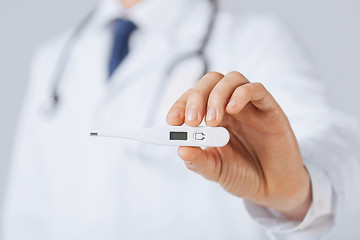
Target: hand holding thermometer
x,y
175,136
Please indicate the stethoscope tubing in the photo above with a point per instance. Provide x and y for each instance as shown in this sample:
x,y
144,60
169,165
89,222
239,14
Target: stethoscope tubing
x,y
52,106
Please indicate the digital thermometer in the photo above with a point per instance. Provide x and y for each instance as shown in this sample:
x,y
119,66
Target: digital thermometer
x,y
175,136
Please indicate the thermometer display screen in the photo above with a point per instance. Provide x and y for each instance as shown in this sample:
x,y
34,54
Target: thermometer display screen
x,y
178,135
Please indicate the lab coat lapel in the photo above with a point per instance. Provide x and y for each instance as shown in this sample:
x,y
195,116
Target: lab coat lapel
x,y
156,53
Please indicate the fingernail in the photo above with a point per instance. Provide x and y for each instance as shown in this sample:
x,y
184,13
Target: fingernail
x,y
232,103
181,152
174,114
189,163
211,114
191,166
191,114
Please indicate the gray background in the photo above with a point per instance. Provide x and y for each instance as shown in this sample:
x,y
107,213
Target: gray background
x,y
328,28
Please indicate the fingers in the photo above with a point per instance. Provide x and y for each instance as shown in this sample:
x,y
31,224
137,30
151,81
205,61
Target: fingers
x,y
254,93
201,161
191,106
176,115
211,96
197,99
220,95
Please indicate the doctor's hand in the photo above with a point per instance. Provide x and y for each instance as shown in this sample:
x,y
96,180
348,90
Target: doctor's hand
x,y
262,161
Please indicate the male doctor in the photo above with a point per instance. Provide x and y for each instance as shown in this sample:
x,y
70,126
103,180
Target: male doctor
x,y
290,168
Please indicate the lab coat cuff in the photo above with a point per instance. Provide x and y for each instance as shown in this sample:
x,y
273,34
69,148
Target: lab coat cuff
x,y
317,221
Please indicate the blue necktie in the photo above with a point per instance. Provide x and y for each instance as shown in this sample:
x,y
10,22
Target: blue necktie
x,y
122,31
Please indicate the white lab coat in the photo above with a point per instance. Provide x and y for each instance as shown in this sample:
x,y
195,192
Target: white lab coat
x,y
65,185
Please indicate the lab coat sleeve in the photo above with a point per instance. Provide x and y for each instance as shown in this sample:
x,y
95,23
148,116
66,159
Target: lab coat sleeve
x,y
27,196
328,139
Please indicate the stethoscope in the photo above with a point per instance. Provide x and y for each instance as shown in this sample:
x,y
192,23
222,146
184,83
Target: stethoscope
x,y
52,105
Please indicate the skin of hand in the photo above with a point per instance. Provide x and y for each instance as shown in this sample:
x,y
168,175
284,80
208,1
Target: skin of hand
x,y
129,3
262,161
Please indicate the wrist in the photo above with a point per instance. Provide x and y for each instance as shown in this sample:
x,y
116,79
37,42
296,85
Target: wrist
x,y
298,205
292,201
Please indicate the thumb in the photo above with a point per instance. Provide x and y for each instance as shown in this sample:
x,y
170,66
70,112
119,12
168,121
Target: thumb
x,y
204,162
